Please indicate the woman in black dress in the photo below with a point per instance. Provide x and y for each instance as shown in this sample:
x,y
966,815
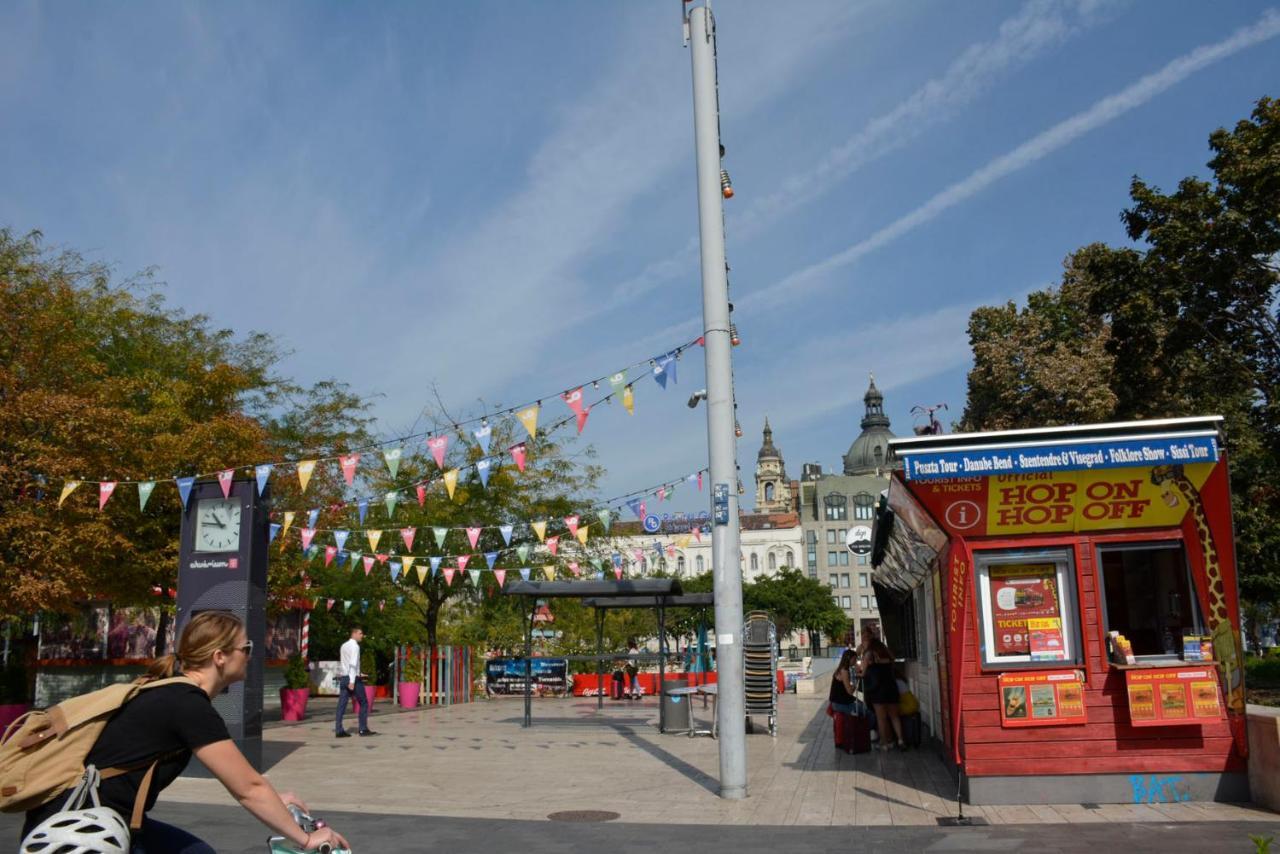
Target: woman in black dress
x,y
880,687
841,695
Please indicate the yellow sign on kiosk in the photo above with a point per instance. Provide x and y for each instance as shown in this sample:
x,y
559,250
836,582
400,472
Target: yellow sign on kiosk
x,y
1172,696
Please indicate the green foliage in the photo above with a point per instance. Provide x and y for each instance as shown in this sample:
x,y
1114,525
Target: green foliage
x,y
411,670
795,601
1261,844
1185,323
295,673
1262,672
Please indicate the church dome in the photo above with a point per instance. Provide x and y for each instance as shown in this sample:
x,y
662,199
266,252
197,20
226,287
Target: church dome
x,y
767,449
870,452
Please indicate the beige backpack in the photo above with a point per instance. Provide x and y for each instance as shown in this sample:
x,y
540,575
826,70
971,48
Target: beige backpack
x,y
42,753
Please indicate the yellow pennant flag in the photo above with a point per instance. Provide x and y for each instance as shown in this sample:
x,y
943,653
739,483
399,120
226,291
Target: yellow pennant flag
x,y
288,520
529,418
408,563
549,572
373,536
539,528
582,534
305,468
683,542
451,481
422,574
67,488
629,400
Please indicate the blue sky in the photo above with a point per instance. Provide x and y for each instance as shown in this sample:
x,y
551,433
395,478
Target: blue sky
x,y
498,198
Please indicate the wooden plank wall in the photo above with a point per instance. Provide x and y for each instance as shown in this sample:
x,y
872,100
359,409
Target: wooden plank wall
x,y
1107,744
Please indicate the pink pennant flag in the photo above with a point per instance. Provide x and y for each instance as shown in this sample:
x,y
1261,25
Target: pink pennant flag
x,y
438,444
574,400
368,565
574,568
448,574
422,494
105,488
500,575
330,552
699,481
553,543
671,550
572,523
382,603
382,558
348,462
518,454
662,493
224,480
582,418
308,534
617,572
328,604
408,535
473,535
462,561
639,553
697,534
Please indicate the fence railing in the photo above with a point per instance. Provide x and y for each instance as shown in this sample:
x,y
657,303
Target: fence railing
x,y
446,673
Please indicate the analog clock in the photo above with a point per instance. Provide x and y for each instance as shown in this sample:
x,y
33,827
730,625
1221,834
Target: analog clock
x,y
217,525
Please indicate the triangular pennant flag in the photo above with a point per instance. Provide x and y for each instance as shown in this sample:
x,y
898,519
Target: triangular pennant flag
x,y
600,576
407,534
529,418
400,599
448,574
438,445
582,418
348,463
697,534
382,603
312,516
549,572
408,561
500,575
637,507
490,558
308,534
606,519
328,604
184,489
617,573
368,564
574,400
435,564
482,438
391,499
571,522
355,559
524,573
70,487
539,528
462,561
261,474
664,368
422,574
392,458
475,576
346,604
440,534
144,493
482,469
340,538
374,536
422,494
364,604
662,493
699,481
505,530
683,542
451,481
473,536
288,521
639,553
225,478
574,568
518,454
105,489
617,559
273,532
618,381
395,569
330,552
522,552
362,508
629,400
671,550
553,544
305,469
382,558
582,534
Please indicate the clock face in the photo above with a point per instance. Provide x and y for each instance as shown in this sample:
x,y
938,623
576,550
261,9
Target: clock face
x,y
217,525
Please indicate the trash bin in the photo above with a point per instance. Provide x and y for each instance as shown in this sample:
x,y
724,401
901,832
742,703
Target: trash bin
x,y
675,707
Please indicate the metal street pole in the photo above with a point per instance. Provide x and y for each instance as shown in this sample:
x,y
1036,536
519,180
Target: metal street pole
x,y
726,560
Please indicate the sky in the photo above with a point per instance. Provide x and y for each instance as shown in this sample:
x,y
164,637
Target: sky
x,y
493,202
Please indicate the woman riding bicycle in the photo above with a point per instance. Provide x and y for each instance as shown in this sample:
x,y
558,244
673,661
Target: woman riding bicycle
x,y
173,722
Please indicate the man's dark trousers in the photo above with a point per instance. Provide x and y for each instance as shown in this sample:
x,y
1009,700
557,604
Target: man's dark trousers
x,y
359,697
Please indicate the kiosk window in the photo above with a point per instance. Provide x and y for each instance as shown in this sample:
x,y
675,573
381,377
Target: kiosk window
x,y
1148,596
1027,608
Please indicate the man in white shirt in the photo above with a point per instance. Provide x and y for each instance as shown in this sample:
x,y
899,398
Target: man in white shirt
x,y
351,683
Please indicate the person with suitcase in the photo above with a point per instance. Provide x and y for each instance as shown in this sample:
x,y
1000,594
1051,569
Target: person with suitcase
x,y
880,689
852,735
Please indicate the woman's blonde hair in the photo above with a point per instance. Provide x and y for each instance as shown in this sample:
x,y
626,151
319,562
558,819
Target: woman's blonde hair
x,y
205,634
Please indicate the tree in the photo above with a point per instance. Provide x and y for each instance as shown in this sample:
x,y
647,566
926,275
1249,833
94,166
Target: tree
x,y
1184,323
796,601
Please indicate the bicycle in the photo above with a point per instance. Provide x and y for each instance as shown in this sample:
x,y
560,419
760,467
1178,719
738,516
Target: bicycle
x,y
281,845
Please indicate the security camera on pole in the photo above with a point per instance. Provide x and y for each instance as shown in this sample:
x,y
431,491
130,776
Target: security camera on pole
x,y
713,188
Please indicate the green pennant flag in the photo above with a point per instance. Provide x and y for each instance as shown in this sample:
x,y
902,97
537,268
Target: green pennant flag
x,y
392,456
355,559
144,493
440,533
523,551
475,576
392,498
618,381
346,604
606,519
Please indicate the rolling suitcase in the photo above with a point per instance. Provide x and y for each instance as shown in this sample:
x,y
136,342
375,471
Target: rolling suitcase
x,y
852,733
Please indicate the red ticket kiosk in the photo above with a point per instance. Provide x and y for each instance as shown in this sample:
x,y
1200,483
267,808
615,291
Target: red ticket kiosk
x,y
1086,609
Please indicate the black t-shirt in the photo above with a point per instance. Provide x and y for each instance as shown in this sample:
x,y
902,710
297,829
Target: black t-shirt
x,y
173,719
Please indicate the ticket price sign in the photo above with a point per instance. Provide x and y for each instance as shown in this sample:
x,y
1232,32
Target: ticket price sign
x,y
1042,698
1172,696
1021,593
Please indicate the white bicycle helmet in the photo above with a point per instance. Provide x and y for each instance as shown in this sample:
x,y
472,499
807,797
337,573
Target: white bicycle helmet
x,y
97,830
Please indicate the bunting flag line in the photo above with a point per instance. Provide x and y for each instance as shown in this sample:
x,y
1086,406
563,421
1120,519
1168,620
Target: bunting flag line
x,y
539,528
407,534
330,552
272,532
500,575
261,473
473,536
144,493
435,565
582,418
482,438
490,558
362,508
392,458
224,480
482,469
475,577
448,574
340,539
553,543
422,575
518,453
391,503
529,418
573,399
373,536
506,530
368,564
184,489
348,463
440,534
571,522
438,444
549,572
422,494
618,381
305,470
606,519
582,534
451,481
629,401
522,552
105,489
312,516
462,561
524,573
574,568
308,534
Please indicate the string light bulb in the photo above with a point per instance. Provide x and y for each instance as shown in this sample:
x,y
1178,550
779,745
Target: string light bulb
x,y
734,338
726,186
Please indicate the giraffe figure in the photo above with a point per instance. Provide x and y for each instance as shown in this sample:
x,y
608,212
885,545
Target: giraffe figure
x,y
1175,487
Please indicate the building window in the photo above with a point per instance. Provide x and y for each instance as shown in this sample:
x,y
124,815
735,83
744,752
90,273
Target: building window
x,y
835,600
864,579
842,536
835,507
833,558
844,558
833,580
1015,586
773,561
844,579
662,564
862,560
846,602
791,558
680,564
1148,596
865,602
811,536
768,492
755,562
644,565
831,536
864,505
699,563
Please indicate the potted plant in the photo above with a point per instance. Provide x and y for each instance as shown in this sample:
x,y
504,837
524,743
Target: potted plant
x,y
13,694
296,690
410,680
368,671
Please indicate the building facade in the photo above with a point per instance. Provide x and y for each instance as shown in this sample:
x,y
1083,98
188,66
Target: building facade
x,y
773,489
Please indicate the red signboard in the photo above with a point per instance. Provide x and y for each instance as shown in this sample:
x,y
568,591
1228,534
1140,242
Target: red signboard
x,y
1042,698
1173,696
960,568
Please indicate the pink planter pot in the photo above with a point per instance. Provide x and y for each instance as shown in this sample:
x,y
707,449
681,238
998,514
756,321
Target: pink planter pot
x,y
370,692
293,703
10,712
409,694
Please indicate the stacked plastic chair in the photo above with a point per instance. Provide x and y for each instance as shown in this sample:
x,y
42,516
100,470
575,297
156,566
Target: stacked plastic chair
x,y
760,661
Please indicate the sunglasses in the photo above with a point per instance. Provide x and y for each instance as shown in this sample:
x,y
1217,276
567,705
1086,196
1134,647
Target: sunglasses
x,y
247,648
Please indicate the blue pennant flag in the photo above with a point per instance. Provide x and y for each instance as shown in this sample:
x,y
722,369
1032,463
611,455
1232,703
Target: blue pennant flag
x,y
364,604
524,573
599,576
657,547
363,507
399,600
490,558
184,488
275,530
506,533
340,538
342,558
482,437
261,473
482,469
634,504
435,564
312,516
395,569
617,560
664,367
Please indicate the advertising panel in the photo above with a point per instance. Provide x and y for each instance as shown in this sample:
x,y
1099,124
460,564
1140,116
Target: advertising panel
x,y
1020,592
550,676
1042,698
1173,696
1086,455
